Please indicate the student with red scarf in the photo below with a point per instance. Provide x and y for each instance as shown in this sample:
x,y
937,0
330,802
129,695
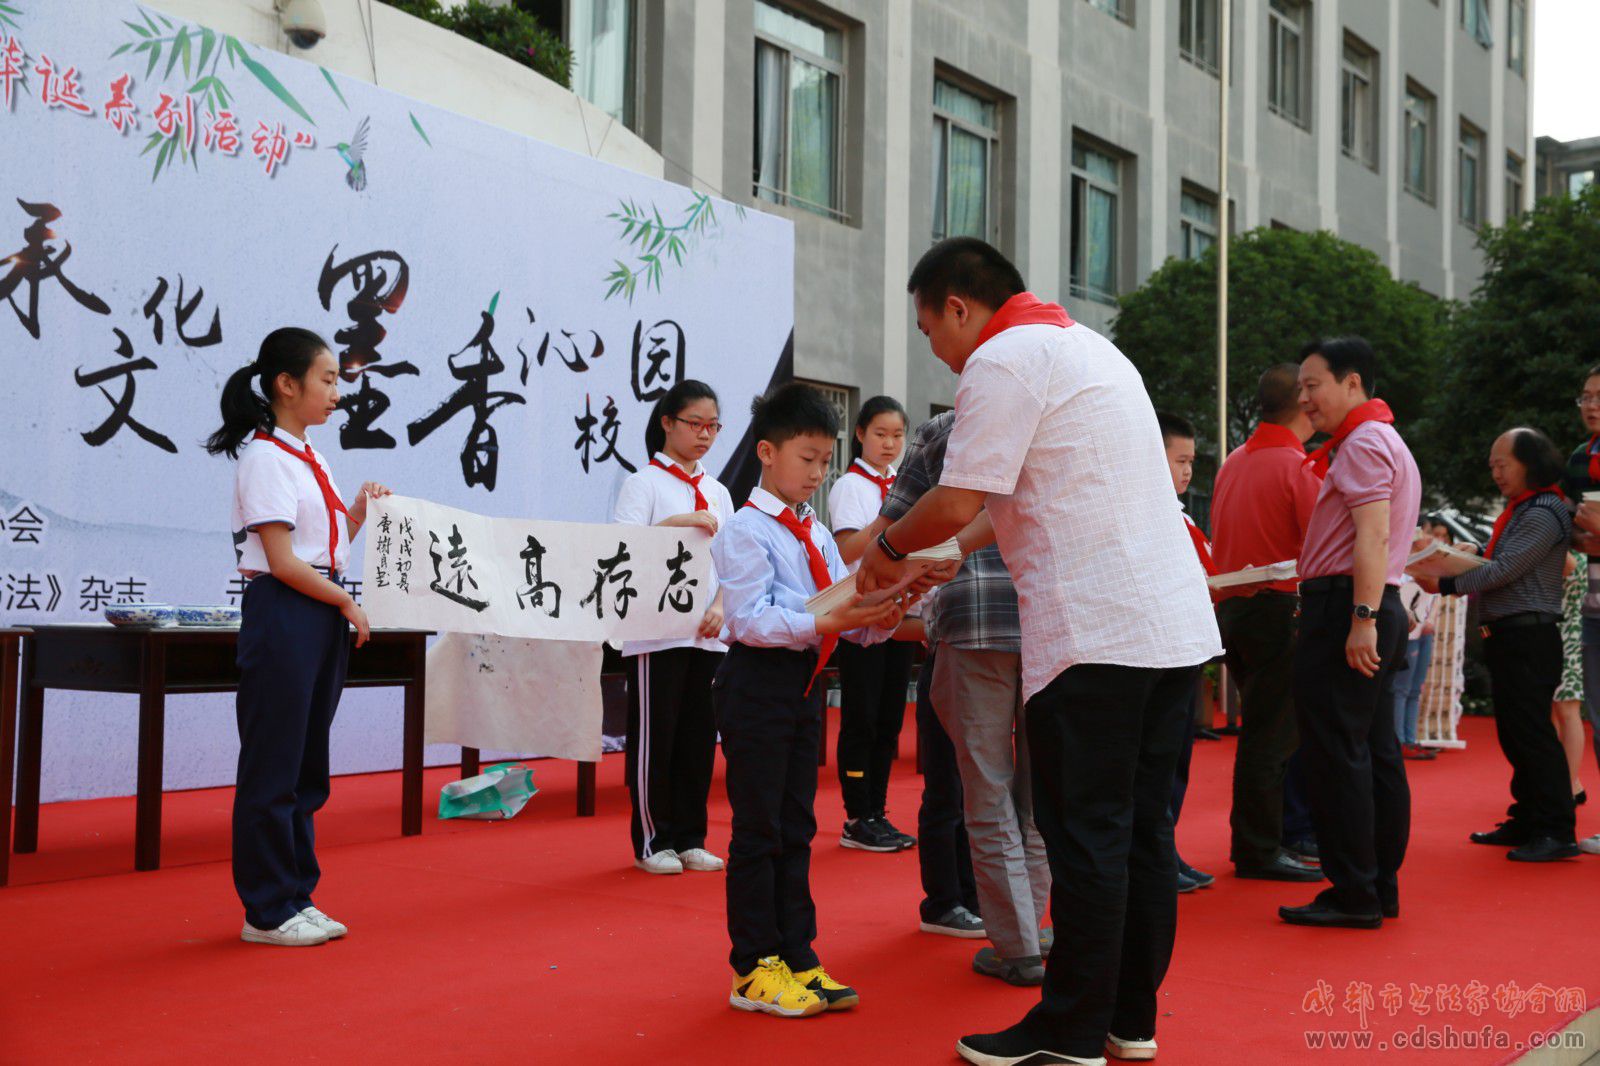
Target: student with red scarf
x,y
1519,602
1352,635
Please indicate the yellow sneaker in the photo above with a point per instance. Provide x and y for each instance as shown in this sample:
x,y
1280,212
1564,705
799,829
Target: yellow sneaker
x,y
771,988
838,997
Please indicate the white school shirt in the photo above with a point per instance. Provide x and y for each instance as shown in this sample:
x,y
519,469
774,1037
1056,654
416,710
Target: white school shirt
x,y
270,485
1055,425
854,502
651,495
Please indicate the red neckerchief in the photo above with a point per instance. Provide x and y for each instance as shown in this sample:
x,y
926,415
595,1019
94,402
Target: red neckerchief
x,y
1272,435
1202,547
1594,460
883,483
330,499
1505,515
1371,411
1023,309
693,482
820,576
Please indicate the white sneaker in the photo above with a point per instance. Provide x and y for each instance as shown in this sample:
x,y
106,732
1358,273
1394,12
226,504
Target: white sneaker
x,y
662,862
334,929
297,932
1590,845
700,859
1129,1050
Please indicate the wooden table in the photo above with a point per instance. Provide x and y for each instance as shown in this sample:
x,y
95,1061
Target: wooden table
x,y
155,662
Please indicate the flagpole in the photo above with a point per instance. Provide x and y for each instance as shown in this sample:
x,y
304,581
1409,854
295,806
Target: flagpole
x,y
1225,42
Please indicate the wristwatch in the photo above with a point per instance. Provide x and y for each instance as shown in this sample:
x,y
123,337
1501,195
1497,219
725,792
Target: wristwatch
x,y
889,549
1363,613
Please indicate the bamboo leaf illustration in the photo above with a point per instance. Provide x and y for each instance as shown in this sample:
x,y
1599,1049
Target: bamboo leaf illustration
x,y
136,28
493,303
335,87
177,52
155,139
6,11
155,57
420,131
166,22
274,86
208,42
234,49
155,31
121,50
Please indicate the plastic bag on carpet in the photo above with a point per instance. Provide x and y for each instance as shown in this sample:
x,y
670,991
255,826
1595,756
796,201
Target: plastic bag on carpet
x,y
498,793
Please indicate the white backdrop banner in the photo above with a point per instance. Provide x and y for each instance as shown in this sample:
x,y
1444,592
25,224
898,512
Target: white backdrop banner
x,y
451,571
505,313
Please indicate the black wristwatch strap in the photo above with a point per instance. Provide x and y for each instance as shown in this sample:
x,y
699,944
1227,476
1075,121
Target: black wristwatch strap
x,y
889,549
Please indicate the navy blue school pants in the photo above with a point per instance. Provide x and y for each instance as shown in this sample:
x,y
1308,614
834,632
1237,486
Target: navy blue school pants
x,y
672,747
770,731
292,656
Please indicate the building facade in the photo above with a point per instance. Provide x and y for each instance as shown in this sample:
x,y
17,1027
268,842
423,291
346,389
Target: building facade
x,y
1566,168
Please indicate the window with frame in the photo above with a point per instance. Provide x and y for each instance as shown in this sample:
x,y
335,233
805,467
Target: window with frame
x,y
1517,35
1579,180
1197,214
799,111
1358,103
1419,142
1198,30
603,37
1120,9
1096,194
966,153
841,400
1469,174
1475,20
1286,51
1513,185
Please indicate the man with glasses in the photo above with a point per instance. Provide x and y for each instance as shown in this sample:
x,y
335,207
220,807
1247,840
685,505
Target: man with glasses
x,y
1583,477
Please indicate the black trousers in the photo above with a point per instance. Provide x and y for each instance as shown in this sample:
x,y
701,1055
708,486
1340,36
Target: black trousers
x,y
1104,742
1258,632
872,708
672,746
1180,777
942,852
293,651
1355,779
1524,672
770,732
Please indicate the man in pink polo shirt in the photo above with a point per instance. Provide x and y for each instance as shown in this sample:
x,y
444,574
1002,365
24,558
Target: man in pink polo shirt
x,y
1352,636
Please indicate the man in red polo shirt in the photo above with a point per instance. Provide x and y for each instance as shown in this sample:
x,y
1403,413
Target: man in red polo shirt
x,y
1259,511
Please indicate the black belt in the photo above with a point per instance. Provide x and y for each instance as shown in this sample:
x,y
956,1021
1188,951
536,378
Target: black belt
x,y
1521,620
1332,583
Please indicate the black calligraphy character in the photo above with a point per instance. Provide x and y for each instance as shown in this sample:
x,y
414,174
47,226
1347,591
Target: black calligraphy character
x,y
680,587
609,429
454,585
657,359
35,263
235,591
181,314
606,572
378,282
533,593
480,455
571,354
121,408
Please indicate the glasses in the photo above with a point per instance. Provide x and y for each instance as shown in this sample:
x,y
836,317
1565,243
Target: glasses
x,y
1588,399
697,428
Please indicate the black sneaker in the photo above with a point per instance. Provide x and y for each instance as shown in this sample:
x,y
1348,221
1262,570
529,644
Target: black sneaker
x,y
1200,878
1024,972
1010,1047
959,922
887,829
863,834
1505,835
1544,849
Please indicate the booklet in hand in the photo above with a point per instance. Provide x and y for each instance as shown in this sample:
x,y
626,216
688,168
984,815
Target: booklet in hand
x,y
1256,575
917,563
1442,560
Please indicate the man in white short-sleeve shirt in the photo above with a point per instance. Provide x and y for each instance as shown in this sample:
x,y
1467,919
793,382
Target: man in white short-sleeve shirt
x,y
1056,437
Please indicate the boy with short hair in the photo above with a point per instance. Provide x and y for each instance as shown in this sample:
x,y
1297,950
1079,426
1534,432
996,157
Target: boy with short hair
x,y
771,557
1177,438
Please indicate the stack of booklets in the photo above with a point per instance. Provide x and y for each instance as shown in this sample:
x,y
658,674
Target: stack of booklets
x,y
917,564
1255,575
1441,560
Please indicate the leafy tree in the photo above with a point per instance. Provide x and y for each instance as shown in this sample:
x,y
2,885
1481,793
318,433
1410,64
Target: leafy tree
x,y
1285,288
508,30
1518,351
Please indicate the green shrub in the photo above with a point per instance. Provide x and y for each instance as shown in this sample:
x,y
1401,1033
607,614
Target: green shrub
x,y
513,33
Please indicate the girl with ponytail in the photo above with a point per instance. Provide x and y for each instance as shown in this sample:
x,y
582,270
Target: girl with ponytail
x,y
291,535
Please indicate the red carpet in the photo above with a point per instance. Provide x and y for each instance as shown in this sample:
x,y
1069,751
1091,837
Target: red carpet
x,y
536,939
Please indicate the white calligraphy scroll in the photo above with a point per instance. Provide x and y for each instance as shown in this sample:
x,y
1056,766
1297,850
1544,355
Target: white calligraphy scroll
x,y
535,697
435,567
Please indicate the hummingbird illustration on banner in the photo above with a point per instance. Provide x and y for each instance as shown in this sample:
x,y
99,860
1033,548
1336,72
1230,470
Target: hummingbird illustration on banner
x,y
352,152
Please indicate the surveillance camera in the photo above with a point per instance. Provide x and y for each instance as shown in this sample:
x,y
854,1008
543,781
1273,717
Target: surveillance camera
x,y
303,21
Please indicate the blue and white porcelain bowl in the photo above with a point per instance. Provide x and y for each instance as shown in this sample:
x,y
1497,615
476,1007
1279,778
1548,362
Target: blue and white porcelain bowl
x,y
141,615
210,616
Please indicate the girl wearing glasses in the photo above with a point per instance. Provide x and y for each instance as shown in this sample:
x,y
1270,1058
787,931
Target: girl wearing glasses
x,y
671,732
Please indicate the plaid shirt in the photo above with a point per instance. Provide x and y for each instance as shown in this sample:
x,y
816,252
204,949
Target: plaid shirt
x,y
976,609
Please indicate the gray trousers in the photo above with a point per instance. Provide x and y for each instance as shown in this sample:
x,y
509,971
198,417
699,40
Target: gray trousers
x,y
978,698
